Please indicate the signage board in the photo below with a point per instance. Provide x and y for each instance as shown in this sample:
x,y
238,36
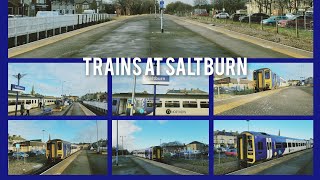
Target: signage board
x,y
17,88
161,4
155,80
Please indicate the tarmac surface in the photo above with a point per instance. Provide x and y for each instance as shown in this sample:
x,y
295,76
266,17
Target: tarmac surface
x,y
140,36
293,100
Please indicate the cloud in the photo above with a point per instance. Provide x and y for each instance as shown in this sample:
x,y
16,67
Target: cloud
x,y
127,128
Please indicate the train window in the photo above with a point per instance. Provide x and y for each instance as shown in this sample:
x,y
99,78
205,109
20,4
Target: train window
x,y
254,75
114,102
11,102
59,146
250,147
189,104
267,75
284,145
293,144
260,146
204,104
289,144
159,104
48,146
278,145
172,104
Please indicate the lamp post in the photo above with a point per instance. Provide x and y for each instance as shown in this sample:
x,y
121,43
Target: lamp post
x,y
97,136
43,134
122,144
117,158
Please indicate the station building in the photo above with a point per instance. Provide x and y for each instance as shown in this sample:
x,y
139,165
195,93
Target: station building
x,y
225,139
28,146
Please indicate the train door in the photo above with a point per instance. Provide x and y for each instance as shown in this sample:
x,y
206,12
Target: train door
x,y
260,80
52,153
122,106
261,149
269,148
242,149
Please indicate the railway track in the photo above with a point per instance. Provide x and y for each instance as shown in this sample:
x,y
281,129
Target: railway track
x,y
47,166
95,111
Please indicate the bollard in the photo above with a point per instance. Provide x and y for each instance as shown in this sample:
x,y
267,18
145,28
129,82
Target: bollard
x,y
261,23
277,27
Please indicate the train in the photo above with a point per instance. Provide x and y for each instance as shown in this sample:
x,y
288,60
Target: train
x,y
33,101
58,150
164,106
266,79
259,146
154,153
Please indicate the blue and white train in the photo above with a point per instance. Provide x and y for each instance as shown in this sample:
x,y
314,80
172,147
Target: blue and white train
x,y
153,153
259,146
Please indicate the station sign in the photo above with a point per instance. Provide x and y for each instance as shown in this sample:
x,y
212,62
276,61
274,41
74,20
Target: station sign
x,y
155,80
161,4
17,88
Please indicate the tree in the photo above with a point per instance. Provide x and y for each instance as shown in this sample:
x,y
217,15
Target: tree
x,y
229,6
94,5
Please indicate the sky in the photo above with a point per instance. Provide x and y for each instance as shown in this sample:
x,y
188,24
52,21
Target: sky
x,y
51,78
300,129
73,131
124,84
140,134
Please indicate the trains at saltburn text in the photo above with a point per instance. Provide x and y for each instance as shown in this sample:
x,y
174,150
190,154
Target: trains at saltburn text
x,y
259,146
153,153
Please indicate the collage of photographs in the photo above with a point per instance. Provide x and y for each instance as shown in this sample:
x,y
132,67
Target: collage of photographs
x,y
60,121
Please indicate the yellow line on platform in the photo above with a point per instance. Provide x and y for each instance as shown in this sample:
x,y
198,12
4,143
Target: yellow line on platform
x,y
237,103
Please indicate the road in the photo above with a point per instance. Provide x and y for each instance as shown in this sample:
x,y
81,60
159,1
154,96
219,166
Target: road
x,y
88,163
140,36
287,101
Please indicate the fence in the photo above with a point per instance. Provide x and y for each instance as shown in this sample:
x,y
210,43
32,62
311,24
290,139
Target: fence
x,y
102,106
20,29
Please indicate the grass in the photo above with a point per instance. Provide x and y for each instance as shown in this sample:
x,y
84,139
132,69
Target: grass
x,y
195,165
286,36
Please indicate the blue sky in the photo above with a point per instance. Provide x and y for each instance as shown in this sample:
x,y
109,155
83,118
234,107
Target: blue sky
x,y
73,131
145,133
301,129
48,78
121,84
288,71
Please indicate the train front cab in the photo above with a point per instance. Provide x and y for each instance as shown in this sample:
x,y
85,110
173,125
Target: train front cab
x,y
54,150
246,149
157,153
263,79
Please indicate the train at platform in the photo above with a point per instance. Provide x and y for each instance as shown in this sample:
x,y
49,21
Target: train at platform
x,y
154,153
58,150
266,79
164,106
259,146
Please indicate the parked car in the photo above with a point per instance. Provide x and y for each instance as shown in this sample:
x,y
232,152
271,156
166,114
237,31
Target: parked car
x,y
235,16
301,20
231,152
220,149
255,18
222,15
19,155
273,20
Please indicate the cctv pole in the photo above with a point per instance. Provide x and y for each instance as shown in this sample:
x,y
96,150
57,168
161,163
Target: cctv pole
x,y
117,160
133,94
161,17
155,9
97,136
